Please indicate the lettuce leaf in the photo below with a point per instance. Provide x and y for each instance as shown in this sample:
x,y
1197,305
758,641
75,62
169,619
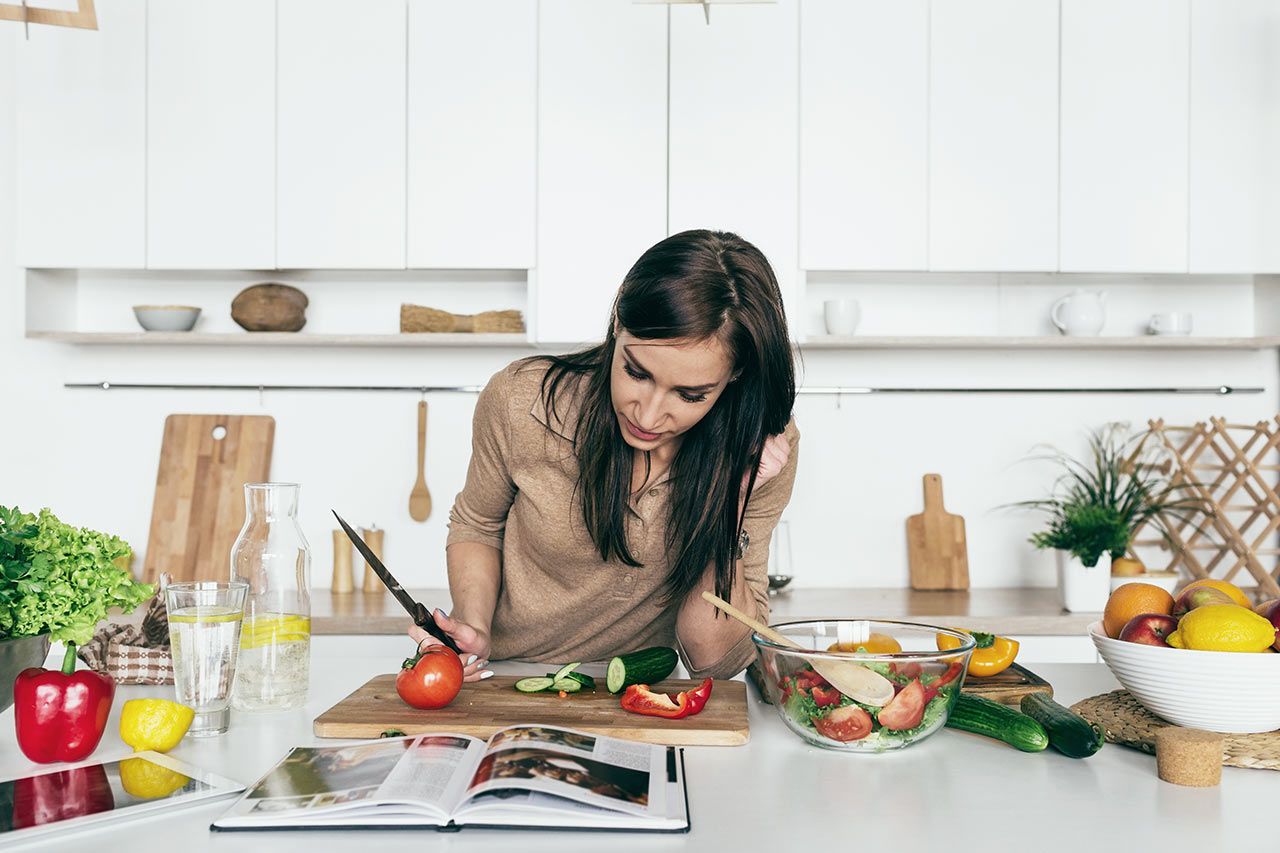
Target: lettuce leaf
x,y
59,578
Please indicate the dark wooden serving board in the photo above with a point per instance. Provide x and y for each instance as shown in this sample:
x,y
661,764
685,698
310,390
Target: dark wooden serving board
x,y
483,707
1007,687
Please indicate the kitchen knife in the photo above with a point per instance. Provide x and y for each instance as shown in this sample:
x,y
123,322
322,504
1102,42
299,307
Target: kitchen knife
x,y
421,615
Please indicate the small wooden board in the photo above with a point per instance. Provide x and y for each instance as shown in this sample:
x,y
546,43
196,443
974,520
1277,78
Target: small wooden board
x,y
936,549
483,707
199,500
1007,687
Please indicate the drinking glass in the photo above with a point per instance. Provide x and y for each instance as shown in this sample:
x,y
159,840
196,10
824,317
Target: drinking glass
x,y
204,633
780,557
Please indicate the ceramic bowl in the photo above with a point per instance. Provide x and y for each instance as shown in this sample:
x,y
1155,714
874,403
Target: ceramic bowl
x,y
920,683
1235,692
15,656
166,318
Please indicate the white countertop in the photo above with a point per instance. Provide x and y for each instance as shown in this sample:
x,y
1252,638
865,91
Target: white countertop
x,y
776,793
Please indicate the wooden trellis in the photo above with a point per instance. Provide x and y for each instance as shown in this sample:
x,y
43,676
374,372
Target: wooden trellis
x,y
1232,469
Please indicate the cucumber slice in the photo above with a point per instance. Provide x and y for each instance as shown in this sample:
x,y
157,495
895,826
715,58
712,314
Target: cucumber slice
x,y
647,666
534,684
583,679
568,685
564,671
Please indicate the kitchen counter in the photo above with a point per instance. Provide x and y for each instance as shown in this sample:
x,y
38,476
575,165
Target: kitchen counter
x,y
1022,611
775,793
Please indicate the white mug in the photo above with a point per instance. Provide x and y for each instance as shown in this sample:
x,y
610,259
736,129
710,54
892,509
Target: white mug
x,y
1169,323
841,316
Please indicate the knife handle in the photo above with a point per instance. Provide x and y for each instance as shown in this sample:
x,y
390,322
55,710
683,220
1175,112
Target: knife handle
x,y
372,538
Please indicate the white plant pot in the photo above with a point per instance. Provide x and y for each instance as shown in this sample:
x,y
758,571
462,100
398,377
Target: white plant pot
x,y
1083,589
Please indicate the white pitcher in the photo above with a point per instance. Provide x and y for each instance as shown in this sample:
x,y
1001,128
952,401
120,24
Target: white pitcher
x,y
1080,312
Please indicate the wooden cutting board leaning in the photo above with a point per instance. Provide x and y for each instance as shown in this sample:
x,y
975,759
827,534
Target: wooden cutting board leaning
x,y
483,707
198,509
936,549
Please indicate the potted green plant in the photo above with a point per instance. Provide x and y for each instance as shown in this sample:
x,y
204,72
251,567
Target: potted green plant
x,y
1095,506
59,581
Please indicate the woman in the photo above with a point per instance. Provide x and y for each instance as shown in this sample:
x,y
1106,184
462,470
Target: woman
x,y
608,488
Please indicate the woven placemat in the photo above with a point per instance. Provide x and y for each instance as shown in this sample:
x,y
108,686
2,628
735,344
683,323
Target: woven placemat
x,y
1127,723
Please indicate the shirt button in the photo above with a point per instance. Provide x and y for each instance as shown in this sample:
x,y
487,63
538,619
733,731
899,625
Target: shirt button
x,y
627,579
653,493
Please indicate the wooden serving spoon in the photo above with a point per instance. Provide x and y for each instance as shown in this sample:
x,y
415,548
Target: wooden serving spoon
x,y
420,498
848,676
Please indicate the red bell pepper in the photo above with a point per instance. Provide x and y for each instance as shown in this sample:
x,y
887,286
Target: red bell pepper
x,y
639,699
51,797
60,716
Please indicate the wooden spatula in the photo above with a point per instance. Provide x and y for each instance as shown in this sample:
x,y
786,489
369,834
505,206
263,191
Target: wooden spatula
x,y
420,498
936,549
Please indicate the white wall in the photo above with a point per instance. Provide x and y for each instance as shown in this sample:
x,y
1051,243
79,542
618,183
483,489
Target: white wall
x,y
91,455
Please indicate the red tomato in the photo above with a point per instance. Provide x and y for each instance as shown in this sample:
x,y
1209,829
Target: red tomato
x,y
431,679
844,724
904,711
824,696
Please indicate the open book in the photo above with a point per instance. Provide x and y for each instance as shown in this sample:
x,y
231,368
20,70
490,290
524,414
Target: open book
x,y
523,776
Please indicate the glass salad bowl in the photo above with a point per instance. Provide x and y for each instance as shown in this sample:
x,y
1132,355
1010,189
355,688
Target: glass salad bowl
x,y
861,685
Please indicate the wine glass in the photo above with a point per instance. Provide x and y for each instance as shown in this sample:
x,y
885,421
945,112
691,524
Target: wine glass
x,y
780,571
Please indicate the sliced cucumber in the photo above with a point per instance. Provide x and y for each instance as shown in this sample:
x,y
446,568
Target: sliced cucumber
x,y
568,685
583,679
534,684
564,671
647,666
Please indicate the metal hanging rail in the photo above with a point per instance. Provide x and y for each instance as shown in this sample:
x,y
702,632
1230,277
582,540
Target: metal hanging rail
x,y
833,390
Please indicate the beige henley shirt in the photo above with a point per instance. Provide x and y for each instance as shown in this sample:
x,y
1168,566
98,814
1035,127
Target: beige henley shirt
x,y
558,600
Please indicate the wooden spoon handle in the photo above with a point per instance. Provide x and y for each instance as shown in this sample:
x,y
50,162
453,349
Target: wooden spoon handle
x,y
422,436
755,625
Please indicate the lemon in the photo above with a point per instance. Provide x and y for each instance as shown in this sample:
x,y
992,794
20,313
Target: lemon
x,y
267,629
1225,628
156,724
147,781
1175,640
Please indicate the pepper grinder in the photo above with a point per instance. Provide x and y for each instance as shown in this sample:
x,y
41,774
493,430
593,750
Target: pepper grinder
x,y
343,580
373,538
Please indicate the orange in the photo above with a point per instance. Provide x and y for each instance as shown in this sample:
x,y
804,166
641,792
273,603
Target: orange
x,y
1237,595
1133,599
874,644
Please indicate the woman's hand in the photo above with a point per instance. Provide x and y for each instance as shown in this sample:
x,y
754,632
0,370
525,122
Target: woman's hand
x,y
773,458
473,643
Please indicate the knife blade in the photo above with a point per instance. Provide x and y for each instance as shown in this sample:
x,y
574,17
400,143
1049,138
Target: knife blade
x,y
421,615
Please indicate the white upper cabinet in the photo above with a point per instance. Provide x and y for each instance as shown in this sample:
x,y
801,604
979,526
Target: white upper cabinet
x,y
1235,136
864,131
733,135
1124,135
81,142
211,134
993,135
602,156
340,160
472,159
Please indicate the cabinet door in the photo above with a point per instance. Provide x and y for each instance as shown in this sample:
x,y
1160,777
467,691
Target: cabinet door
x,y
733,135
81,142
472,162
1235,136
864,130
602,156
1124,135
211,134
341,134
993,135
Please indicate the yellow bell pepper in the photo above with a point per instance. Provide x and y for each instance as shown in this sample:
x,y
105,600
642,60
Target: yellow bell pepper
x,y
993,654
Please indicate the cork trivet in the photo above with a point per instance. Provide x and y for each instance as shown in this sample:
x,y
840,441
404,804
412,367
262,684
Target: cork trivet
x,y
1189,756
1127,723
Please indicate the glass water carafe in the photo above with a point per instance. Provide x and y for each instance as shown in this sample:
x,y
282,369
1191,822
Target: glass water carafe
x,y
272,556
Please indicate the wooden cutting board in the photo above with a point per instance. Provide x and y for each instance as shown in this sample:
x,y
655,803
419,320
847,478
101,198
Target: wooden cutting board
x,y
936,548
1007,687
199,501
483,707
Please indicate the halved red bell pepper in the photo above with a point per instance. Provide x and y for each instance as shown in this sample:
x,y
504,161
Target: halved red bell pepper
x,y
60,716
639,699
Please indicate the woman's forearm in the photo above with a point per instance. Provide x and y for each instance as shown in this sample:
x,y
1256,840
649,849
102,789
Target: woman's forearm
x,y
475,578
705,636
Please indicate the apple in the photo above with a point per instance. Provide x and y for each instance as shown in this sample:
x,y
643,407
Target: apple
x,y
1126,567
1198,596
1261,607
1150,629
1273,614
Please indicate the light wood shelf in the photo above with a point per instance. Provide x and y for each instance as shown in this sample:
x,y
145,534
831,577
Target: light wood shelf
x,y
287,339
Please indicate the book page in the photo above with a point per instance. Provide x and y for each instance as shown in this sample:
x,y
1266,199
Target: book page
x,y
599,771
429,771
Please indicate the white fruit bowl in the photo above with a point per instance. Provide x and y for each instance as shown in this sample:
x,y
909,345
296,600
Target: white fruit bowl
x,y
166,318
1235,692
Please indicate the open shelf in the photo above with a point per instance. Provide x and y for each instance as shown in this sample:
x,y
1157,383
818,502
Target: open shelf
x,y
286,339
1046,342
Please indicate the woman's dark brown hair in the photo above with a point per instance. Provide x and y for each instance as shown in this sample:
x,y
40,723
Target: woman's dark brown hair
x,y
694,285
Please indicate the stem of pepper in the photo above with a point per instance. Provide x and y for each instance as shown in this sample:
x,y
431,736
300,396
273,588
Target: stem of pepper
x,y
69,661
